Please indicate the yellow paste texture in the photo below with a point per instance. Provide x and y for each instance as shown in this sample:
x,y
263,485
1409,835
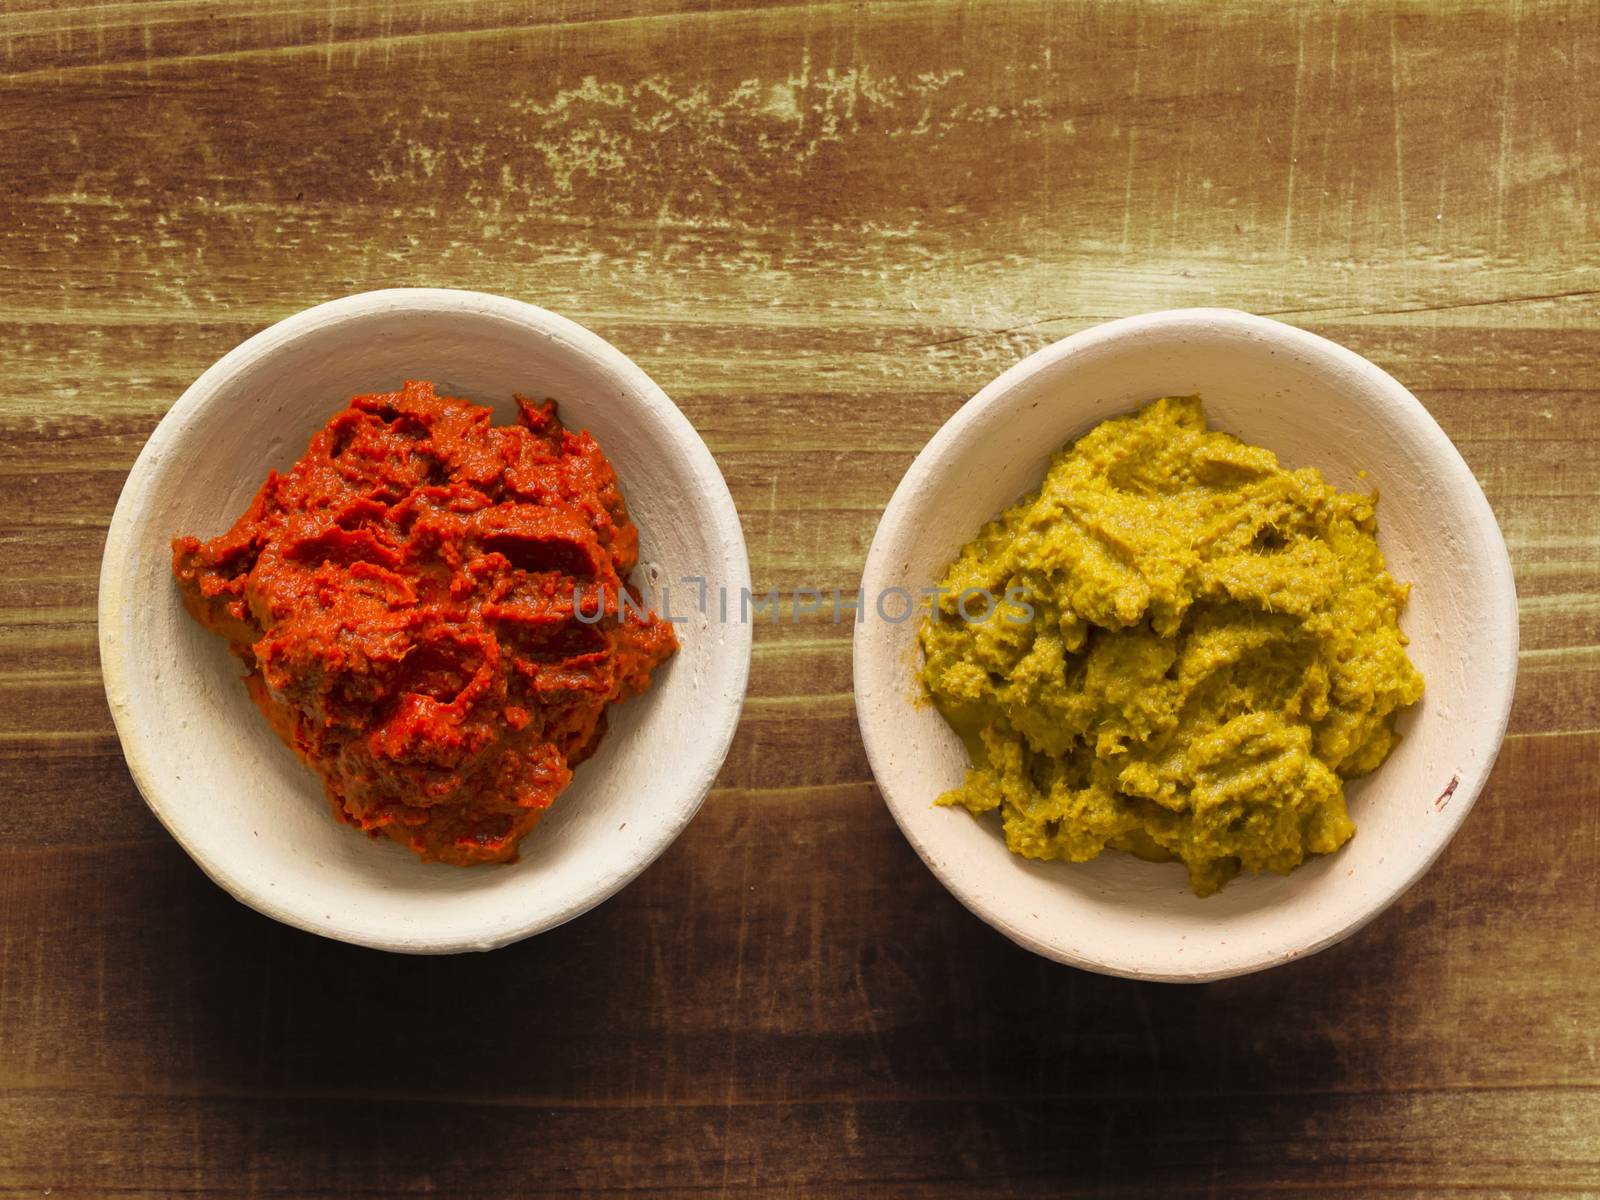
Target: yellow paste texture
x,y
1200,647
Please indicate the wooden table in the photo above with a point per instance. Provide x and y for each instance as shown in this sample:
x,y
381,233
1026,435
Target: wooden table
x,y
820,227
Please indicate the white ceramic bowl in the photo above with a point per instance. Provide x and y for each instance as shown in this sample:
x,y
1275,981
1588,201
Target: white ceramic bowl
x,y
1315,404
254,817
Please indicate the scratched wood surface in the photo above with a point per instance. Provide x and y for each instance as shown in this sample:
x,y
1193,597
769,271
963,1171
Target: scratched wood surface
x,y
821,227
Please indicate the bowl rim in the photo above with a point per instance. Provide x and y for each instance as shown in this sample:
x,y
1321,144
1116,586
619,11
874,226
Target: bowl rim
x,y
1499,592
721,712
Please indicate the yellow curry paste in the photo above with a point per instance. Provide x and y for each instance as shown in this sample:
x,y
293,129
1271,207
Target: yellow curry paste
x,y
1200,648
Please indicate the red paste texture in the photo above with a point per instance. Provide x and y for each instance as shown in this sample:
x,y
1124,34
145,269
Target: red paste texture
x,y
403,599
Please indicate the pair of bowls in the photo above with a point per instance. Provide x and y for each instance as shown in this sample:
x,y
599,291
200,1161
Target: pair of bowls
x,y
256,821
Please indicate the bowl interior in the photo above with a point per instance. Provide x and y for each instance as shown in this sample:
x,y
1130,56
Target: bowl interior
x,y
1314,404
238,799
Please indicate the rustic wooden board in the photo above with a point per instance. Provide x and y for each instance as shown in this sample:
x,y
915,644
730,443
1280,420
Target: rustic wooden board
x,y
821,226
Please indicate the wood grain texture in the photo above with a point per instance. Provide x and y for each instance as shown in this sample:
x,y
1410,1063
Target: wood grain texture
x,y
820,226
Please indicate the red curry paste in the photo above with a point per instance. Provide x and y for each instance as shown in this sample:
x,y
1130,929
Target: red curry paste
x,y
403,600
